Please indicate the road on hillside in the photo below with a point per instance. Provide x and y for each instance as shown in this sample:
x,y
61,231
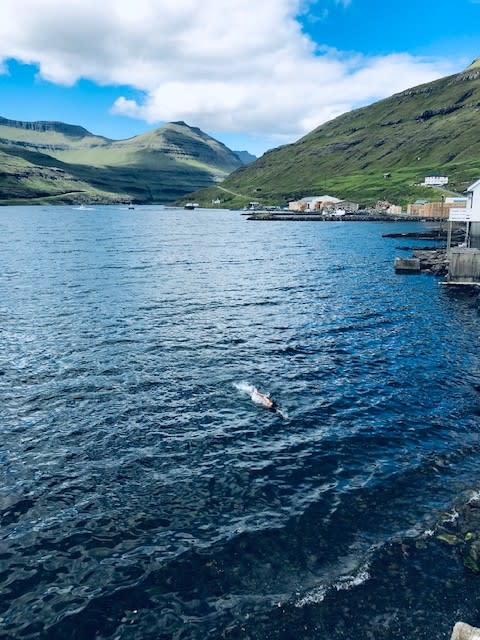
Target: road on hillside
x,y
240,195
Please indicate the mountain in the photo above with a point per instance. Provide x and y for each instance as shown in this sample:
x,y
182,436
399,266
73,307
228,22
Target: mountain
x,y
245,157
58,162
430,129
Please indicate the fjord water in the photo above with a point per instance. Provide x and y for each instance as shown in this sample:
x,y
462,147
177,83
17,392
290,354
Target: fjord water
x,y
144,496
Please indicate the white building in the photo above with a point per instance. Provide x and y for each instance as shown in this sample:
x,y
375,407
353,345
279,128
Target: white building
x,y
474,196
469,213
313,203
464,265
435,181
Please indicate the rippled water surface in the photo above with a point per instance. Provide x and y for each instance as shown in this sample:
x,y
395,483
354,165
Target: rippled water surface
x,y
145,496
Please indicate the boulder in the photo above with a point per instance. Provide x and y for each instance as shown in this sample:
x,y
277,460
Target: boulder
x,y
462,631
407,265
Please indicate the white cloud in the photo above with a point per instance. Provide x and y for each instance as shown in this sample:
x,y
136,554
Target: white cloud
x,y
243,66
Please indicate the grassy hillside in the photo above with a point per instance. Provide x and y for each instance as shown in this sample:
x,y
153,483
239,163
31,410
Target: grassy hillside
x,y
51,161
432,128
29,177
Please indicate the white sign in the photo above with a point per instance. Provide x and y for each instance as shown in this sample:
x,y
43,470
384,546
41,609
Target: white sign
x,y
464,215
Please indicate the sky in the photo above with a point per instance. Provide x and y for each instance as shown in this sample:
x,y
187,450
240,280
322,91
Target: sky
x,y
253,74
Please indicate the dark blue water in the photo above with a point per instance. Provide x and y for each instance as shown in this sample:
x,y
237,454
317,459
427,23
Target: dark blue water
x,y
144,496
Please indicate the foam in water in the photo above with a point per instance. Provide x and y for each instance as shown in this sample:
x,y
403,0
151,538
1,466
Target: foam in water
x,y
344,583
314,597
250,390
475,497
451,517
244,387
353,581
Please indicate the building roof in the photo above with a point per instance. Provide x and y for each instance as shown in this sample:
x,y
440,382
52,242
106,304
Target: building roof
x,y
324,198
474,185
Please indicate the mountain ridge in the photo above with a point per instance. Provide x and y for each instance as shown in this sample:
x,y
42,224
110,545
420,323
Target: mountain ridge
x,y
43,161
48,125
382,151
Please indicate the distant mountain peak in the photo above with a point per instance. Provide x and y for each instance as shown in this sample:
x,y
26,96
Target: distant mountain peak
x,y
46,126
245,157
474,65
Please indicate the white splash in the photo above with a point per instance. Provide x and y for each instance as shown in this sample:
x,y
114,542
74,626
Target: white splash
x,y
353,581
250,390
318,594
314,597
244,387
475,497
451,517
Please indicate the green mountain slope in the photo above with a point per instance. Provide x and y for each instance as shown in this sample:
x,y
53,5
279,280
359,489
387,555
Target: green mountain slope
x,y
53,161
430,129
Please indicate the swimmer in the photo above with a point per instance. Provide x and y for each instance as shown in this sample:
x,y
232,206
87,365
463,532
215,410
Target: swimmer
x,y
264,400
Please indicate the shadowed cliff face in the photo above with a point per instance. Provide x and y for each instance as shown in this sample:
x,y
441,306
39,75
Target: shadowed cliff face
x,y
42,160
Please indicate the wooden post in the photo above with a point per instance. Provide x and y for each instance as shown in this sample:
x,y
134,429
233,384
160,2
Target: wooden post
x,y
449,237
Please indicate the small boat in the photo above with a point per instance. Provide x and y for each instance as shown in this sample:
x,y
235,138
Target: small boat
x,y
191,205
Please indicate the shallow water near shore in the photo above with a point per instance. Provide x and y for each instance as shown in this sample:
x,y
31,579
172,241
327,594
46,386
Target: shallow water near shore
x,y
145,496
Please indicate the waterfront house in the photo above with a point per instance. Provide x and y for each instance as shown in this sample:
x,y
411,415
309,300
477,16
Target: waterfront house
x,y
394,209
416,209
439,209
348,205
313,203
472,216
473,193
464,260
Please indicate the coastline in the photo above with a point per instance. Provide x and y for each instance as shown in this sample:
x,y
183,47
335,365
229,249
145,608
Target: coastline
x,y
269,216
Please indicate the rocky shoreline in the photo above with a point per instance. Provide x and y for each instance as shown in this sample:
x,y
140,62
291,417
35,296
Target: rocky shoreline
x,y
371,216
432,261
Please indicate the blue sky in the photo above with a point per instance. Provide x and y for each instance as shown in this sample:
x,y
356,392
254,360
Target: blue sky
x,y
254,75
420,27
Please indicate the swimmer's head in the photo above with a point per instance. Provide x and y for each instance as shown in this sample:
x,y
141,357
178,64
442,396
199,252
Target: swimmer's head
x,y
273,407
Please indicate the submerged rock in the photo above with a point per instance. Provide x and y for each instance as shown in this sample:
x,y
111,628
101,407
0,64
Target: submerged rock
x,y
463,532
449,538
471,557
